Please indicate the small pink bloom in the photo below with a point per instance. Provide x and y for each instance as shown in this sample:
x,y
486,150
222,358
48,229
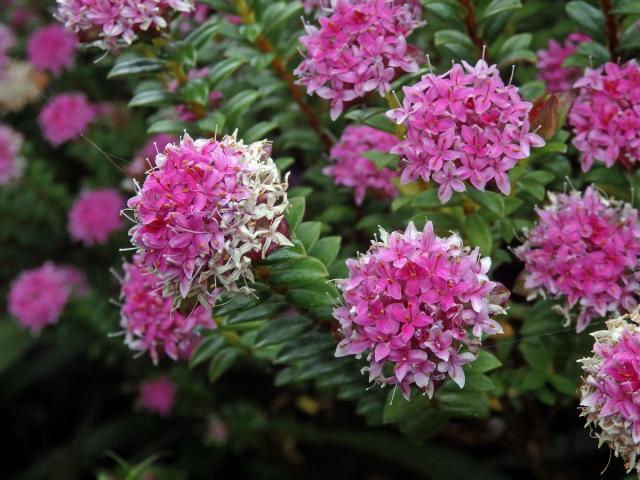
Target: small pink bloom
x,y
417,303
95,215
550,60
10,158
352,169
37,297
51,48
144,159
606,115
463,125
158,396
65,117
584,249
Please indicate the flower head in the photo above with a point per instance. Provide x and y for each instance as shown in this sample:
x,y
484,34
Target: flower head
x,y
142,160
51,48
6,42
418,303
65,117
206,211
95,215
20,84
550,60
463,125
38,296
150,322
606,115
352,169
585,249
111,24
359,48
609,392
10,159
158,395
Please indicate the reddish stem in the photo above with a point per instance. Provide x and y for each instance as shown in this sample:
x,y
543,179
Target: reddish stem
x,y
472,28
611,25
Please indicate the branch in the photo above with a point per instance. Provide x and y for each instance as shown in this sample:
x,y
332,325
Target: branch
x,y
278,65
472,29
611,25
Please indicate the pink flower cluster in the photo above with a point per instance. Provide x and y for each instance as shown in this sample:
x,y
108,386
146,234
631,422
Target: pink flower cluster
x,y
609,393
51,48
95,215
10,159
111,24
207,209
66,117
150,322
158,395
38,296
359,48
463,125
606,115
585,248
144,158
6,42
419,303
550,60
352,169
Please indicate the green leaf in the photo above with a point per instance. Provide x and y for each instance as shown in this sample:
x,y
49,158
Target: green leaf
x,y
284,254
462,403
240,102
317,294
196,91
134,66
588,18
478,232
382,159
326,249
295,213
484,363
515,43
152,98
262,311
259,131
491,200
536,355
312,343
278,13
13,342
627,7
297,273
398,408
563,384
206,349
204,33
223,70
532,187
497,6
308,233
167,126
221,362
312,367
281,329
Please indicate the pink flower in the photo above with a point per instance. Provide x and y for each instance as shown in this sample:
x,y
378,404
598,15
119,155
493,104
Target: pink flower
x,y
150,322
111,24
6,42
10,158
352,169
95,215
550,69
144,158
609,392
463,125
206,211
606,115
158,396
586,249
417,305
359,48
65,117
51,48
37,297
